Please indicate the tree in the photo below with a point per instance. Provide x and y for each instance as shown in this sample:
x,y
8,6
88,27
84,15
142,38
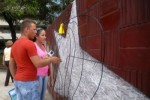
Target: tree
x,y
51,9
43,10
12,11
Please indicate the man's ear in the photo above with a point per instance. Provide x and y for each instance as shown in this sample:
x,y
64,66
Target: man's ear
x,y
25,29
28,28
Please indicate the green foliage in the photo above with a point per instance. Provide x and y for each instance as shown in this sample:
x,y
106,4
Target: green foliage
x,y
45,10
67,2
19,10
1,5
55,8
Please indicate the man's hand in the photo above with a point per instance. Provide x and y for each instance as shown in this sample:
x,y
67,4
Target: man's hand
x,y
55,60
38,62
45,57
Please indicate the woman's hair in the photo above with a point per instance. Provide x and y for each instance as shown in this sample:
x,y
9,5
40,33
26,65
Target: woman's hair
x,y
39,30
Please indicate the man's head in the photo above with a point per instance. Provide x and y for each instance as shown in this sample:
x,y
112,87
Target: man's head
x,y
28,28
9,43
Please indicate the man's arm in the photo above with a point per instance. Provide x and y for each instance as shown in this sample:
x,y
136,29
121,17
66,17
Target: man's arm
x,y
39,62
12,67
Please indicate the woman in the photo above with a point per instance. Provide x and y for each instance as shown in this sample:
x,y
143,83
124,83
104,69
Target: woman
x,y
6,58
42,72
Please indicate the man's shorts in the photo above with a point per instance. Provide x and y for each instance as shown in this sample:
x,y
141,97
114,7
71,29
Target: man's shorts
x,y
27,90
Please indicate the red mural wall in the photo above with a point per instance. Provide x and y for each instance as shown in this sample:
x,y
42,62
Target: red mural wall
x,y
126,26
125,36
51,44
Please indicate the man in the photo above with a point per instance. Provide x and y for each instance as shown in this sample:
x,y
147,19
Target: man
x,y
23,63
6,58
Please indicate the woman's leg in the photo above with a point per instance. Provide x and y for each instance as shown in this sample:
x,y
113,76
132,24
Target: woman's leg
x,y
8,73
43,86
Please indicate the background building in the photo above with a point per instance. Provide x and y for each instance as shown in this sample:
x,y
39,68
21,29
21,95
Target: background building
x,y
5,34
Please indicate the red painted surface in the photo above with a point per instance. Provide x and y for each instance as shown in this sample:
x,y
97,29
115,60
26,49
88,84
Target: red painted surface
x,y
126,24
51,44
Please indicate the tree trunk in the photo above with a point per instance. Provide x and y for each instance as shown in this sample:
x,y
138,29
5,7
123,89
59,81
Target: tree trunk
x,y
13,33
9,20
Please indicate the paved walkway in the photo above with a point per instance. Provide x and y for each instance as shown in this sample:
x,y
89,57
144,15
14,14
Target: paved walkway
x,y
4,89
